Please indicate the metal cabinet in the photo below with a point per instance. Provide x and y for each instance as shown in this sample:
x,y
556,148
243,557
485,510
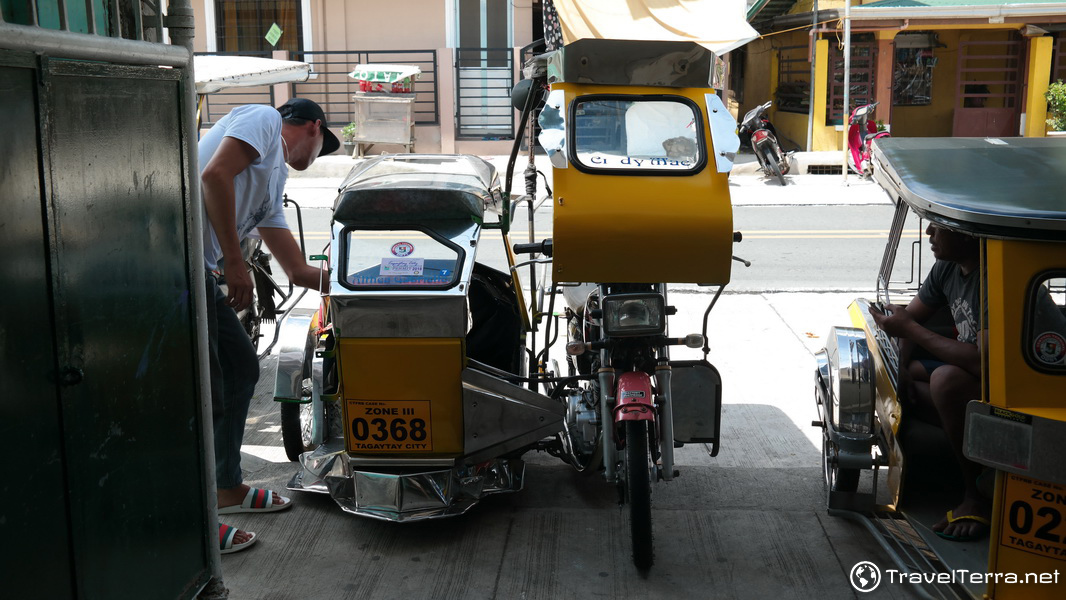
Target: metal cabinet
x,y
104,488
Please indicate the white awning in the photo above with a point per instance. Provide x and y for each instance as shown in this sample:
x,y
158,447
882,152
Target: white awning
x,y
214,73
718,25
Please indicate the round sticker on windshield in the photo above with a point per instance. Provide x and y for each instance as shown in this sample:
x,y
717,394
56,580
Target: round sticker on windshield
x,y
1050,348
402,249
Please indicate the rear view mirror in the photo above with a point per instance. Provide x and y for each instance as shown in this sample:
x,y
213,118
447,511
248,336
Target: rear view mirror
x,y
723,133
553,129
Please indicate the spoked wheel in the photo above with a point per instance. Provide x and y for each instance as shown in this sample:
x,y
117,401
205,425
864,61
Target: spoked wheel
x,y
297,428
638,473
835,478
252,323
772,165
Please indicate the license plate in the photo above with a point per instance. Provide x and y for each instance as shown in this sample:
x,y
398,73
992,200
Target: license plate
x,y
389,426
1035,517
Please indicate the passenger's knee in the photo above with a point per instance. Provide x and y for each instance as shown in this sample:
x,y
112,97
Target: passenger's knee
x,y
951,383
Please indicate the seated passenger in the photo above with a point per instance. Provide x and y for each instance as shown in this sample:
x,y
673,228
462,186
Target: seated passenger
x,y
941,387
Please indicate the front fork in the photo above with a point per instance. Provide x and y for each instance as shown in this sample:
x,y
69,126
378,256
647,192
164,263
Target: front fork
x,y
633,400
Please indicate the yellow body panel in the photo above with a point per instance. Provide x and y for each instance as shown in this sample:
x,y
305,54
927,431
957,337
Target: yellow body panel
x,y
1020,542
1011,265
388,383
887,406
642,228
1013,384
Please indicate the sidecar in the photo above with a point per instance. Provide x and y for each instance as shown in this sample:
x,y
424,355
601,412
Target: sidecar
x,y
893,471
401,395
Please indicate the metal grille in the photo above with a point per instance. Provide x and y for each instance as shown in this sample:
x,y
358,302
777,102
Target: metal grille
x,y
109,18
483,81
863,68
331,87
825,170
793,79
995,67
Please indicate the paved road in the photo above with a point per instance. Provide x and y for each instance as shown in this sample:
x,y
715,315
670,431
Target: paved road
x,y
792,248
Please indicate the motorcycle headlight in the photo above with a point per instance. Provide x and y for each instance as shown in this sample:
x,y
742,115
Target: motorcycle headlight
x,y
633,314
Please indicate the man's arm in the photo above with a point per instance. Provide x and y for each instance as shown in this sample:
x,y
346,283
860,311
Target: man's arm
x,y
906,324
284,248
231,158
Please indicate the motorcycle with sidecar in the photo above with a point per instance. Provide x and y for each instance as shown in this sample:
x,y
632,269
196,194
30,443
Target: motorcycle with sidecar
x,y
418,385
885,464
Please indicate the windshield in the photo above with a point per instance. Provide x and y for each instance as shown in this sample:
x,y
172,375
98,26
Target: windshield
x,y
399,259
627,133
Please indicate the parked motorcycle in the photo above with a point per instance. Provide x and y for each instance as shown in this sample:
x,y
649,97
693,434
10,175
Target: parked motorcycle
x,y
862,131
757,128
419,384
269,301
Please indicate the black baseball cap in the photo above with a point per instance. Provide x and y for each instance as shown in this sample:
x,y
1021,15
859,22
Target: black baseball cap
x,y
309,110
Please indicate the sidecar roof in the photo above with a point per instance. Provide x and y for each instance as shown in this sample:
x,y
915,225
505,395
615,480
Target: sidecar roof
x,y
1009,188
633,63
417,187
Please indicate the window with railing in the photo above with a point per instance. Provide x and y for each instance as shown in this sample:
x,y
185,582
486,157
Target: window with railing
x,y
1058,62
243,25
793,79
863,69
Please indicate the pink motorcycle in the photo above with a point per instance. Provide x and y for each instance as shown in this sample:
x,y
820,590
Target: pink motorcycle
x,y
862,132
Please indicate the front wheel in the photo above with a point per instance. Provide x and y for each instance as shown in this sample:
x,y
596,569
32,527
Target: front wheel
x,y
772,166
297,428
638,470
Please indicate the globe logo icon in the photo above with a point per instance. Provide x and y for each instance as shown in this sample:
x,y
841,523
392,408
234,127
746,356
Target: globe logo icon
x,y
865,576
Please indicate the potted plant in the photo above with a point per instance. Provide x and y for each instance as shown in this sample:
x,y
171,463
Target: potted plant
x,y
1056,108
348,135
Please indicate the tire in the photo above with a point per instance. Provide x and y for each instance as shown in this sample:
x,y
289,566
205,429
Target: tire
x,y
638,489
772,166
835,478
296,428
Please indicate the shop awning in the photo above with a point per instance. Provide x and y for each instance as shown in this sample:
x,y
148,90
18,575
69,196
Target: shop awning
x,y
958,9
719,26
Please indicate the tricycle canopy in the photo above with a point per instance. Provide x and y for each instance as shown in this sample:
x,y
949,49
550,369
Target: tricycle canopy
x,y
989,187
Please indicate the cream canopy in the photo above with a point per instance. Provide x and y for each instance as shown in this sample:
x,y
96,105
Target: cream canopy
x,y
718,25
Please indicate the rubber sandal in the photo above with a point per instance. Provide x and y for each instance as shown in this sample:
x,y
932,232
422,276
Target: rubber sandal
x,y
257,501
226,535
965,538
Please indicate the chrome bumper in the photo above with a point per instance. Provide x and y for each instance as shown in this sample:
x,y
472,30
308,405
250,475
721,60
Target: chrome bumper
x,y
407,493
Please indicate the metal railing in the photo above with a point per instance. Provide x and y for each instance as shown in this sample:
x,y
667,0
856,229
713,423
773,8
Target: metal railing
x,y
331,87
483,81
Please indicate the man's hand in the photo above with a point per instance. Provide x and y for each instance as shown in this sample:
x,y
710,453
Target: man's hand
x,y
894,321
238,283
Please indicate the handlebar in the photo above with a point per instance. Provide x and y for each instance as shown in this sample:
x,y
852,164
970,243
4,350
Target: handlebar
x,y
543,247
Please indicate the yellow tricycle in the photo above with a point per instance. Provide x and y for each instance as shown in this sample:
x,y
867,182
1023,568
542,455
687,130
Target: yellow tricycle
x,y
908,431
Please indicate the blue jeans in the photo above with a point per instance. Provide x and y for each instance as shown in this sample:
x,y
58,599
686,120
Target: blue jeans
x,y
234,373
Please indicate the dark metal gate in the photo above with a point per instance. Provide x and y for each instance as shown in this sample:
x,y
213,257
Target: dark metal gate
x,y
988,84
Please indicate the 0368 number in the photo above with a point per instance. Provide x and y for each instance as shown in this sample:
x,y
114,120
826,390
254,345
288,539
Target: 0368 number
x,y
397,429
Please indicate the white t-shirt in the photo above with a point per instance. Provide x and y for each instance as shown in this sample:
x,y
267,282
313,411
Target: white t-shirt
x,y
258,189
